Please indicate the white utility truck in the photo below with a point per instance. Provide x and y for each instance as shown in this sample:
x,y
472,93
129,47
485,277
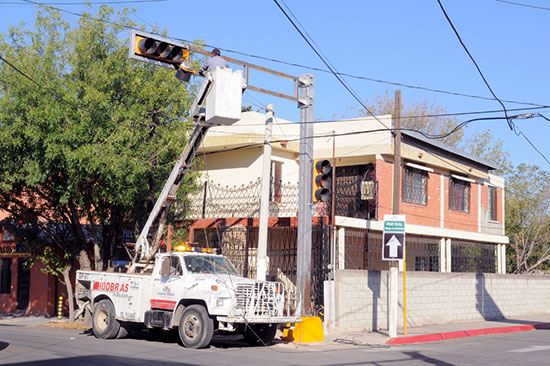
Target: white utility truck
x,y
191,289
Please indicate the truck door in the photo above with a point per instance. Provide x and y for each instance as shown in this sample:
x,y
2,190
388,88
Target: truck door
x,y
166,289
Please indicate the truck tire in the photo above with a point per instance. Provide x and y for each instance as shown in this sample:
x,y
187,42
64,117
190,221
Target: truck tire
x,y
260,334
196,327
104,323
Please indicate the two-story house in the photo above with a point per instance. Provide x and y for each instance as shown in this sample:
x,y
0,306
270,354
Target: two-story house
x,y
454,205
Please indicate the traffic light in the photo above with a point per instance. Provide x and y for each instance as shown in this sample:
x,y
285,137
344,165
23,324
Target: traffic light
x,y
162,52
322,180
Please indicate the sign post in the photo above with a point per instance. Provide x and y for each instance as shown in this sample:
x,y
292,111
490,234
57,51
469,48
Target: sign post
x,y
393,248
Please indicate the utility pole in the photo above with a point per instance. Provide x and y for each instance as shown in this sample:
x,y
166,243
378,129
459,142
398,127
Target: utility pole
x,y
261,268
394,279
303,271
397,153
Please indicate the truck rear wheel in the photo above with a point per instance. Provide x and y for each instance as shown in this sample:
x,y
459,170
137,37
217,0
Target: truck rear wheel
x,y
260,334
196,327
104,323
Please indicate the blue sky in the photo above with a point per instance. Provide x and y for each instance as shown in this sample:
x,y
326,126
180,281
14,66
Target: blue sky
x,y
408,42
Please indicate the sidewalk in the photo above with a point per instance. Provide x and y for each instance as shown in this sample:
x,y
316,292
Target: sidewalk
x,y
440,332
39,321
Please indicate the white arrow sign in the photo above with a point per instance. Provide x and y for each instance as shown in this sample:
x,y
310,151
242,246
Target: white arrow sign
x,y
394,244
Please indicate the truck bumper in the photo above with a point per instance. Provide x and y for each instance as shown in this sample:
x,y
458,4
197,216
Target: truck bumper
x,y
258,319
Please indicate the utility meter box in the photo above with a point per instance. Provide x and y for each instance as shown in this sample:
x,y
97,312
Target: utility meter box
x,y
223,103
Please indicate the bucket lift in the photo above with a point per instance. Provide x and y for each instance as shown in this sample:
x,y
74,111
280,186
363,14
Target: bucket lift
x,y
217,103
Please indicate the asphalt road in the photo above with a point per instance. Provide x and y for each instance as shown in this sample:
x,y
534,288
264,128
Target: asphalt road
x,y
38,346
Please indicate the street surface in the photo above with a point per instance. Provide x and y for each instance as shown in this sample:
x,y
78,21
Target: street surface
x,y
38,346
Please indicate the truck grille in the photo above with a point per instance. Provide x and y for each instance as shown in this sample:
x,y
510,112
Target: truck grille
x,y
260,298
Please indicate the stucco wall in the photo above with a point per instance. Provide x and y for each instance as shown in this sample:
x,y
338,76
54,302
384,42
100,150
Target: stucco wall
x,y
361,298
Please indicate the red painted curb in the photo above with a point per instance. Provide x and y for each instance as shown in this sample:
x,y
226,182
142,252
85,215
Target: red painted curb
x,y
434,337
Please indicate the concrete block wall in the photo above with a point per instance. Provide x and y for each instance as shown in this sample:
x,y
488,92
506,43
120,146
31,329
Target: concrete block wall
x,y
361,298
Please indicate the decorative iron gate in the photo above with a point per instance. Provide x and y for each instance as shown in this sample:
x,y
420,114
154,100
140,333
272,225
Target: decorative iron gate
x,y
240,244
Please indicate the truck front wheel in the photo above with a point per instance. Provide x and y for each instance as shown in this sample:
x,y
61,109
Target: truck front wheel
x,y
260,334
196,327
104,323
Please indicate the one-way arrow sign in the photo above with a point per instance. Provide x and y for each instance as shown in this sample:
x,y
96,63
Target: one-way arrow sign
x,y
394,237
393,244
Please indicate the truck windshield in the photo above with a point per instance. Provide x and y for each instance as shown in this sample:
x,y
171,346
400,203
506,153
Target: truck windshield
x,y
209,264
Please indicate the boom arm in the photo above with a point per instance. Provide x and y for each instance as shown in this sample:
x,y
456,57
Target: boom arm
x,y
221,92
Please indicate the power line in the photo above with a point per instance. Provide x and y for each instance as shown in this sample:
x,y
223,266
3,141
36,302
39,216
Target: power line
x,y
327,63
510,123
361,132
522,4
85,3
291,123
359,77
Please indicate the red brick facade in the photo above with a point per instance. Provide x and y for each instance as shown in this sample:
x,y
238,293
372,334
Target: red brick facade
x,y
430,213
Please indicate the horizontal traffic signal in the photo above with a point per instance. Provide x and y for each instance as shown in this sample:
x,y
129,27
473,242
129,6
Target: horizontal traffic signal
x,y
322,181
161,52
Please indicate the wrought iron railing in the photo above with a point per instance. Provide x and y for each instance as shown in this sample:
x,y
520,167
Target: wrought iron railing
x,y
213,201
473,257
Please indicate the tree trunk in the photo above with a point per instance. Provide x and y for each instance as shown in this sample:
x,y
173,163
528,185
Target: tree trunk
x,y
84,261
70,293
97,257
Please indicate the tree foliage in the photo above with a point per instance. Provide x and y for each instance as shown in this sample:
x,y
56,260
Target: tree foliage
x,y
429,117
87,138
528,219
413,115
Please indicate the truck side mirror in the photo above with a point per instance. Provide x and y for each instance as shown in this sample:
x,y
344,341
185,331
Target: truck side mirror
x,y
165,266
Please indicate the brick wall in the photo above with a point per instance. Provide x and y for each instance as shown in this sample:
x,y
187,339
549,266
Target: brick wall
x,y
429,214
384,177
435,298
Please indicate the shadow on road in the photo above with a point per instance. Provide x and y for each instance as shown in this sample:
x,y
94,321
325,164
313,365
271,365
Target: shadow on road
x,y
3,345
101,360
172,336
426,359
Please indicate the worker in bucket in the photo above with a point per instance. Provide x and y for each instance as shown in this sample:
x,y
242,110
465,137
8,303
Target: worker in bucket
x,y
215,61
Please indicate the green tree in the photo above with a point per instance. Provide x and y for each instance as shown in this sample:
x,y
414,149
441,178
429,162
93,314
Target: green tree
x,y
88,141
486,146
528,219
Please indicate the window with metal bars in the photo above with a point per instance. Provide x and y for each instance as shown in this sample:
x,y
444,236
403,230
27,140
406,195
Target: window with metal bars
x,y
459,195
493,204
415,186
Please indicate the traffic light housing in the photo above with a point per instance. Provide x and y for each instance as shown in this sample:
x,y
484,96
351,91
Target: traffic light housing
x,y
162,52
322,180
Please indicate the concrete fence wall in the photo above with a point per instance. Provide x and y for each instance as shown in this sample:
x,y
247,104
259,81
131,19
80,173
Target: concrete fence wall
x,y
358,300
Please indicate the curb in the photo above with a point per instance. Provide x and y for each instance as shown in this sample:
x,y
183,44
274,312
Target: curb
x,y
66,325
434,337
